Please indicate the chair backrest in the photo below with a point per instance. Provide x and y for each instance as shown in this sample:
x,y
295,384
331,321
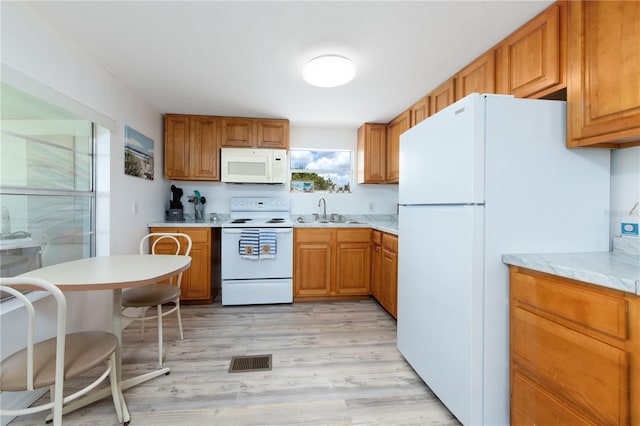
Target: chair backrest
x,y
174,237
13,287
159,236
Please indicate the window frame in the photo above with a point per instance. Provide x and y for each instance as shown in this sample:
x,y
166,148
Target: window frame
x,y
350,171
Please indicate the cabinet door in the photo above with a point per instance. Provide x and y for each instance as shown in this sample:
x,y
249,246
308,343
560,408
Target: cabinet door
x,y
353,263
442,96
312,269
205,143
238,132
587,374
376,264
272,134
196,281
395,128
389,281
419,111
479,76
176,146
603,87
531,61
372,153
531,405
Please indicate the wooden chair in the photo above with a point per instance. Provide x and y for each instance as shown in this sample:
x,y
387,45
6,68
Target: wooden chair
x,y
158,294
50,362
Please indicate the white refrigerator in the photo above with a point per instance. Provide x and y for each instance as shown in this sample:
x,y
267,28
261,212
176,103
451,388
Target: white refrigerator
x,y
488,175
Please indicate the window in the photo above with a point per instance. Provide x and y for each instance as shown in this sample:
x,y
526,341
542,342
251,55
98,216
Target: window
x,y
317,170
47,190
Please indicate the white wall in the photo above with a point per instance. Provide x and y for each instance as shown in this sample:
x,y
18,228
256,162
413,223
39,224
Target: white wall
x,y
218,194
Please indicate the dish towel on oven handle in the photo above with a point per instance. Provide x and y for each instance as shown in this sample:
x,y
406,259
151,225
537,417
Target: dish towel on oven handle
x,y
249,245
268,246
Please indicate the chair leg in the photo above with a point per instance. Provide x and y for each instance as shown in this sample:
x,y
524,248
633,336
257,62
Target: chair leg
x,y
160,335
115,388
179,319
57,397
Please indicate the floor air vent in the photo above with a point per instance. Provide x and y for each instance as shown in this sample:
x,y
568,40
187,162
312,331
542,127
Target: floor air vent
x,y
240,364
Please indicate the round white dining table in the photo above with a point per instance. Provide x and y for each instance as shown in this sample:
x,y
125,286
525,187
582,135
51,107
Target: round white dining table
x,y
113,273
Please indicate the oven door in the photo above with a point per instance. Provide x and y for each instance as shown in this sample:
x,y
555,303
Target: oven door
x,y
236,267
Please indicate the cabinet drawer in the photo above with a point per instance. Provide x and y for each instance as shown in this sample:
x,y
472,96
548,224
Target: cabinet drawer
x,y
376,237
353,235
589,374
390,242
313,235
599,310
198,235
530,405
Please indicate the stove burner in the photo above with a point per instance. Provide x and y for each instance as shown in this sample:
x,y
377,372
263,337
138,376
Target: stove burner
x,y
241,220
276,220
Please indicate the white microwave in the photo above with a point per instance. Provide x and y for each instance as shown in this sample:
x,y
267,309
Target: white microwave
x,y
252,165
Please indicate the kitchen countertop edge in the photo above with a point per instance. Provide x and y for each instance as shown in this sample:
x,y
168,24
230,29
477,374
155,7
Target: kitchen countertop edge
x,y
619,271
390,227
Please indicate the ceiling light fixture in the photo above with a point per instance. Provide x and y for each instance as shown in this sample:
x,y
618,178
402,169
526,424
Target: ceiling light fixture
x,y
329,71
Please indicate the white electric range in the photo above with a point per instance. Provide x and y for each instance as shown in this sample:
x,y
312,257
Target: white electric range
x,y
257,252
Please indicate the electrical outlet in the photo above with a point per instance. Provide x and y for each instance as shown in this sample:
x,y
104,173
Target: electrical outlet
x,y
372,207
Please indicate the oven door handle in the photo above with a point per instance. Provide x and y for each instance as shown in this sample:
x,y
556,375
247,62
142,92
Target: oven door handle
x,y
239,230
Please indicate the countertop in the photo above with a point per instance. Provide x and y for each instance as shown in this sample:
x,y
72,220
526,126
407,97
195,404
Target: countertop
x,y
384,223
618,269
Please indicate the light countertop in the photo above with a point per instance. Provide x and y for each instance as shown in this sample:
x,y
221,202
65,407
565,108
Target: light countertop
x,y
384,223
618,269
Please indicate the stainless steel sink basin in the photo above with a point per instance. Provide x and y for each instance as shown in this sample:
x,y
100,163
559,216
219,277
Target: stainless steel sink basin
x,y
336,221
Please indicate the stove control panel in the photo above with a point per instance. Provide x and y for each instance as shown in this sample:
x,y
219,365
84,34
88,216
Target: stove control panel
x,y
257,204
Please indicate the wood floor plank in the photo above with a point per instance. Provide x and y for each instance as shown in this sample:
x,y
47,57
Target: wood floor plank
x,y
334,363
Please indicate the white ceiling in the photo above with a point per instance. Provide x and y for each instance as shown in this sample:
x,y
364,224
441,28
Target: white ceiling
x,y
241,58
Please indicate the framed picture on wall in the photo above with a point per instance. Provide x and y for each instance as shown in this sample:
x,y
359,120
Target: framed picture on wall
x,y
138,154
301,186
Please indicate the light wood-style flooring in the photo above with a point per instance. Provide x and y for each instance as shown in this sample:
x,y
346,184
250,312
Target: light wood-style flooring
x,y
334,363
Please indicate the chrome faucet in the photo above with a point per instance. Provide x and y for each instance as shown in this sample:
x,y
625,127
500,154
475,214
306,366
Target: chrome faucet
x,y
324,207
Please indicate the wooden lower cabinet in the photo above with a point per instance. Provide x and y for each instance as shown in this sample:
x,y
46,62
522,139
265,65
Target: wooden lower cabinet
x,y
196,281
331,263
575,352
376,264
313,250
384,270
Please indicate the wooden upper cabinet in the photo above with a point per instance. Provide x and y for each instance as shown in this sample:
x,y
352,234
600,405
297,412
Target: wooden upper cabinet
x,y
531,62
479,76
420,111
372,153
255,133
205,145
442,96
603,87
176,146
238,132
191,146
272,134
395,128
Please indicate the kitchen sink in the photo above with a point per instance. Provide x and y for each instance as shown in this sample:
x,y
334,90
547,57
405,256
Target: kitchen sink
x,y
340,220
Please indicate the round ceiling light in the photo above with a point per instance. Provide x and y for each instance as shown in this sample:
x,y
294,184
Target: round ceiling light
x,y
329,71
